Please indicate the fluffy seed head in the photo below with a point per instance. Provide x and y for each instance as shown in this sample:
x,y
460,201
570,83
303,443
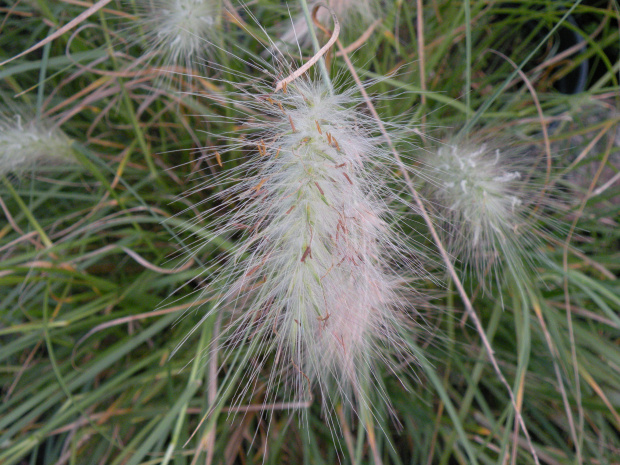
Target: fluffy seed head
x,y
485,197
26,145
179,31
312,283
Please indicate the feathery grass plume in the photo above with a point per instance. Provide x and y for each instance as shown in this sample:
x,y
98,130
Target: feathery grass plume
x,y
317,285
179,32
31,144
488,197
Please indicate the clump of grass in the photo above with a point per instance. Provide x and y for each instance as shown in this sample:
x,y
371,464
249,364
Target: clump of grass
x,y
87,374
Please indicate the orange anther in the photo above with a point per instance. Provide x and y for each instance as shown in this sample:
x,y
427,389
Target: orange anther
x,y
318,128
307,252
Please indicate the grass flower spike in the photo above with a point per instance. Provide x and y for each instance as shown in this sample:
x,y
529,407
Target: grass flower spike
x,y
179,31
314,283
485,195
31,144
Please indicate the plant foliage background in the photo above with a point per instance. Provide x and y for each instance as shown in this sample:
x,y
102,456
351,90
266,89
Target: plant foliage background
x,y
95,275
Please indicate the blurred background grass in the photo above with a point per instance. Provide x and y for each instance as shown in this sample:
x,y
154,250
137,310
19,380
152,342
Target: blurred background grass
x,y
95,275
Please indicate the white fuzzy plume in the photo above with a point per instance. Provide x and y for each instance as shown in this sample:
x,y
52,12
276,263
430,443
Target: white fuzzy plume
x,y
312,282
27,144
485,195
178,32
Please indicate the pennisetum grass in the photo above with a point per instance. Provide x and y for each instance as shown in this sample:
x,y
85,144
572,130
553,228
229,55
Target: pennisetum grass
x,y
319,283
301,234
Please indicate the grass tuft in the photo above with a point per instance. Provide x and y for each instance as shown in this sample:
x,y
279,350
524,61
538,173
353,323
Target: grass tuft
x,y
108,264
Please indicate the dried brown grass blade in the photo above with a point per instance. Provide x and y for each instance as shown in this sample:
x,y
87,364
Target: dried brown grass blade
x,y
67,27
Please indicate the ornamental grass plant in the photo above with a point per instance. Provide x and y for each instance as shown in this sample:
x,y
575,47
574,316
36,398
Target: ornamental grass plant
x,y
406,253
